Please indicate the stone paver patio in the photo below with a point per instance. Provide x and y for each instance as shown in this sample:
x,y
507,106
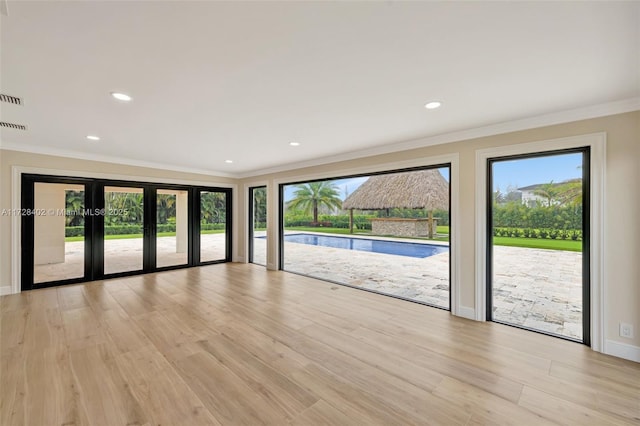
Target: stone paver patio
x,y
534,288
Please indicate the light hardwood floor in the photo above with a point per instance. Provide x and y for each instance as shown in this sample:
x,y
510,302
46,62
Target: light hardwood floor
x,y
234,344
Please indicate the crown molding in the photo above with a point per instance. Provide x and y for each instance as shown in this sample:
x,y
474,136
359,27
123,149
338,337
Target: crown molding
x,y
567,116
561,117
109,159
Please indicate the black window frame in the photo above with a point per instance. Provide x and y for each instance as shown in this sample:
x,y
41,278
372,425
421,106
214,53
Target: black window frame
x,y
94,227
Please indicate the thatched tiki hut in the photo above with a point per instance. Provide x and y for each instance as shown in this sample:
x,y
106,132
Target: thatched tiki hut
x,y
423,189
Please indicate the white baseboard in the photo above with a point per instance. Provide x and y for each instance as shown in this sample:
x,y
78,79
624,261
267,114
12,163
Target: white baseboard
x,y
622,350
238,259
467,312
5,289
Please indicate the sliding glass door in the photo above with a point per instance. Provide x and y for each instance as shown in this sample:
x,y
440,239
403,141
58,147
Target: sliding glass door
x,y
538,258
172,227
258,225
76,230
385,232
213,225
124,225
58,231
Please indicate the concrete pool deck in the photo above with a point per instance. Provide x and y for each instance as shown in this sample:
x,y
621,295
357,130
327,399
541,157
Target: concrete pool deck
x,y
535,288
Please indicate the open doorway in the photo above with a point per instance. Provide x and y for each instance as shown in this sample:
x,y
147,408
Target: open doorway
x,y
538,242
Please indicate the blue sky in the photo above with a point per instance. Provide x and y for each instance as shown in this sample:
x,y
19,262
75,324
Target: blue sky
x,y
348,185
530,171
506,174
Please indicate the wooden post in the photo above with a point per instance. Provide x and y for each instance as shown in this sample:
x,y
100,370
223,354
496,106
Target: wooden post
x,y
430,224
351,221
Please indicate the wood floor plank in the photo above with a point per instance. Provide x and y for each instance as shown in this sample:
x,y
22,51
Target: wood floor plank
x,y
71,297
486,408
45,298
13,324
360,407
51,389
434,362
44,328
14,402
129,300
99,298
282,394
564,412
400,367
232,344
12,302
157,385
82,328
104,393
171,337
122,332
224,394
322,414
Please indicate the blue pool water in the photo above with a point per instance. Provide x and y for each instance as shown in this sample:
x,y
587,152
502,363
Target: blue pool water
x,y
375,246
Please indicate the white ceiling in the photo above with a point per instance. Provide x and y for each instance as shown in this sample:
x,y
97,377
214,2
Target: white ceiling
x,y
213,81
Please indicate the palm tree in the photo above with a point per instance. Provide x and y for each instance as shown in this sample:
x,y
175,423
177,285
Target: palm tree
x,y
213,207
74,204
260,207
548,191
166,207
570,193
308,197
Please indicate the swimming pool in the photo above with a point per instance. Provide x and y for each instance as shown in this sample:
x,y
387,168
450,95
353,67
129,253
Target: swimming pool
x,y
376,246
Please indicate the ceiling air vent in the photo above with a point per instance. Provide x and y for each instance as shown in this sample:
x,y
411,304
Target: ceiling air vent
x,y
10,99
12,126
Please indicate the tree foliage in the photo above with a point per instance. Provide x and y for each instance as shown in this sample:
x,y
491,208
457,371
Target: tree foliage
x,y
308,197
260,207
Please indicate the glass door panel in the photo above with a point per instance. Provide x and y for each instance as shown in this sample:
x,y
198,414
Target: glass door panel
x,y
59,240
213,225
332,230
538,238
258,226
123,229
172,227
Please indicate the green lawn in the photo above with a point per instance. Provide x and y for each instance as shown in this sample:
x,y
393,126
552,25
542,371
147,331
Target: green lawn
x,y
443,235
128,236
567,245
443,231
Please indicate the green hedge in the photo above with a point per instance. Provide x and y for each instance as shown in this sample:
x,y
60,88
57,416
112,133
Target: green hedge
x,y
122,229
543,233
441,215
76,231
339,221
212,226
517,215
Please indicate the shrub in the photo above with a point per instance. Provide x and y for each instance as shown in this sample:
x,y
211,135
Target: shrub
x,y
166,227
73,231
212,226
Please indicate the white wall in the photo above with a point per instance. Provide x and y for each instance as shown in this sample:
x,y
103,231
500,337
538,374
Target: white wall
x,y
622,206
622,210
12,161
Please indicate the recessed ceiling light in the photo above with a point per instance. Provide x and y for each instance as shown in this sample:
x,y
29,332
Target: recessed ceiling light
x,y
93,138
433,105
121,96
228,161
294,143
